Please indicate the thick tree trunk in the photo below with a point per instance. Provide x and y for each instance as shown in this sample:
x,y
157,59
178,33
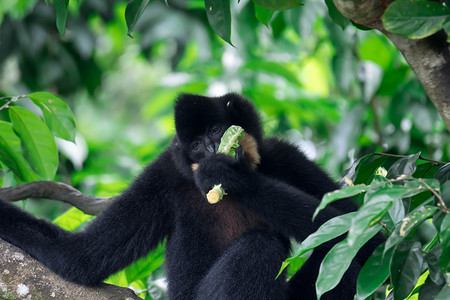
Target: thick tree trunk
x,y
429,58
22,277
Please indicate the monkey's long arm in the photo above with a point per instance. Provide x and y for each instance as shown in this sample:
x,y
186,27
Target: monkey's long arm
x,y
135,223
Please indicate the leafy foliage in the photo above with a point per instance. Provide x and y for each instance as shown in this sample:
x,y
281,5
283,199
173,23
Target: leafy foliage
x,y
416,19
28,146
395,205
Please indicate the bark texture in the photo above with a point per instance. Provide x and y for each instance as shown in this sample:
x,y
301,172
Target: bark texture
x,y
429,58
22,277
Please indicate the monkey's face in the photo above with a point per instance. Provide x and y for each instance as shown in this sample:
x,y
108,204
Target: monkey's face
x,y
201,121
206,144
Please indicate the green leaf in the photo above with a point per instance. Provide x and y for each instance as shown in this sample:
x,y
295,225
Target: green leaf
x,y
230,140
141,269
411,221
348,191
145,266
337,261
406,268
71,219
353,170
415,19
11,153
374,273
133,13
278,4
397,211
58,116
336,15
39,144
403,166
430,290
432,260
263,15
329,230
62,10
443,174
415,218
444,294
375,206
444,260
219,17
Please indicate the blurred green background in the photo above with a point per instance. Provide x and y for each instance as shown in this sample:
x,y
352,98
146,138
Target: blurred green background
x,y
337,93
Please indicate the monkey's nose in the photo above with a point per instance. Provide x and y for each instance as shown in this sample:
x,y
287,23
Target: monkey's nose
x,y
210,148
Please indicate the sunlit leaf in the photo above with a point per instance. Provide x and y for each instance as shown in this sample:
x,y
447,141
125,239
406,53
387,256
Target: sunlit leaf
x,y
406,268
315,76
71,219
62,10
219,17
337,261
141,269
374,273
416,19
39,144
145,266
11,153
58,116
278,4
133,13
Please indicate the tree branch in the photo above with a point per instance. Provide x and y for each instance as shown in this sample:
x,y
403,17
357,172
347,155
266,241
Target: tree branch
x,y
56,191
22,277
429,58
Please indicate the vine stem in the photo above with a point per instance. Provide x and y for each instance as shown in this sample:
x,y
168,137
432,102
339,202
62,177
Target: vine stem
x,y
441,202
385,226
11,100
420,157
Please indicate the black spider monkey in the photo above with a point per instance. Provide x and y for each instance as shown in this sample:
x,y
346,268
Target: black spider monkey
x,y
230,250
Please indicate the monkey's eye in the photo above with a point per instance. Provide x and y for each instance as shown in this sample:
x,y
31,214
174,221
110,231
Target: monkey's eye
x,y
215,130
195,145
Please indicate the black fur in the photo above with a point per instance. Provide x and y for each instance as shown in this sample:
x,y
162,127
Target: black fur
x,y
230,250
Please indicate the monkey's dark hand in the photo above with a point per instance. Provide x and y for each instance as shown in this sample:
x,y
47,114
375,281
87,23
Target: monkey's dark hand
x,y
235,174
